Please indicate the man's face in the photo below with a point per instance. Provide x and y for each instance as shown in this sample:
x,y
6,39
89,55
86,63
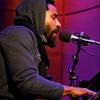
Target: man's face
x,y
52,25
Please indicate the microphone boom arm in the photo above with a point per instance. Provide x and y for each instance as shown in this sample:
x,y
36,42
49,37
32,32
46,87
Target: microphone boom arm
x,y
72,75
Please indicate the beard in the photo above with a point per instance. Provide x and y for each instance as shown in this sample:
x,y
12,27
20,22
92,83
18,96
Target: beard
x,y
51,38
51,42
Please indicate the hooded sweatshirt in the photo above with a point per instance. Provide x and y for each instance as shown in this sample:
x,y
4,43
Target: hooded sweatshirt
x,y
23,59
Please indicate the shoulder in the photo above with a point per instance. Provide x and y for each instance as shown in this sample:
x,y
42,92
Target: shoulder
x,y
18,36
18,33
17,30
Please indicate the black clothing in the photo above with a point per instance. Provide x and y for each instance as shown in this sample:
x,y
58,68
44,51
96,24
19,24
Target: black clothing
x,y
23,59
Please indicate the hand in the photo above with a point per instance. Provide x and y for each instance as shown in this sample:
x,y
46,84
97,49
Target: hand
x,y
76,91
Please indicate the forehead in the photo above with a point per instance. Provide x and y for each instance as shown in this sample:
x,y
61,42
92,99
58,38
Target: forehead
x,y
52,8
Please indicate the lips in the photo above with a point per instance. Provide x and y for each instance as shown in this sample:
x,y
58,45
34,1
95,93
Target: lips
x,y
56,30
54,35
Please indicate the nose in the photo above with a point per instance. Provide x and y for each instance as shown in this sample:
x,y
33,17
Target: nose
x,y
58,24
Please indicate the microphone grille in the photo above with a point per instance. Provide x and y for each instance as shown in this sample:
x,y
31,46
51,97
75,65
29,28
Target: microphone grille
x,y
65,36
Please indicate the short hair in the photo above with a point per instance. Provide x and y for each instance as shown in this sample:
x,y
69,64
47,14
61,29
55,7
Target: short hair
x,y
50,1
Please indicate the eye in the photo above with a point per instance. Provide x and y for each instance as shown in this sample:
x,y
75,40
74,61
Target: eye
x,y
53,17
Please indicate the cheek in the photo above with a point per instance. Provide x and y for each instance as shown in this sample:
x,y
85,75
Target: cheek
x,y
49,25
52,24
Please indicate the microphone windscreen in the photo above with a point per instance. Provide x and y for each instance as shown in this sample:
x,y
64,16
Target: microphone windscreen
x,y
65,36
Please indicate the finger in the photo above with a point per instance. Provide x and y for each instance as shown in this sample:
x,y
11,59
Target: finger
x,y
91,92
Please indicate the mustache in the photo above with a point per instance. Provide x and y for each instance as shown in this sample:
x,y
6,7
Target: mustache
x,y
56,30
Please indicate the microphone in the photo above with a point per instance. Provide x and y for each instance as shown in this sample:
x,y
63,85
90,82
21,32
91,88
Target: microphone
x,y
76,37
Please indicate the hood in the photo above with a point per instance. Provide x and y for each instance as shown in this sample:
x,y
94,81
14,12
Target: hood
x,y
32,12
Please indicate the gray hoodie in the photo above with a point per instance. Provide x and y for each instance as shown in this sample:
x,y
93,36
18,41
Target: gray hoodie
x,y
23,60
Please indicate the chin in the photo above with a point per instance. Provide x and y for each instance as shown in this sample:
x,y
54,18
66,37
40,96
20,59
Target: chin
x,y
51,43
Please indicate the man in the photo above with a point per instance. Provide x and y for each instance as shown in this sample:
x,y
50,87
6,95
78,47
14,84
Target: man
x,y
23,59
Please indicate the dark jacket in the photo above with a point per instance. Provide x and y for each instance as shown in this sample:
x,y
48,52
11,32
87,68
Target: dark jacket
x,y
23,59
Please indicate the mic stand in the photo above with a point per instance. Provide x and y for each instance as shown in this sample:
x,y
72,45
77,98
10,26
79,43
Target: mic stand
x,y
74,79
